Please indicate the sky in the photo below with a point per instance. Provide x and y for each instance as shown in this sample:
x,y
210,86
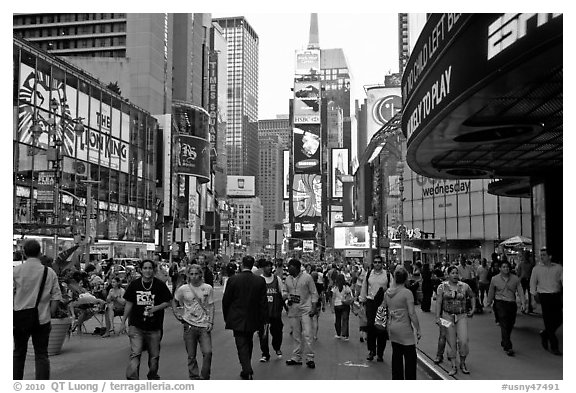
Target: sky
x,y
369,41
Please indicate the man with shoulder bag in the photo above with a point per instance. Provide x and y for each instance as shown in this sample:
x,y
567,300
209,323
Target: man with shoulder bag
x,y
36,295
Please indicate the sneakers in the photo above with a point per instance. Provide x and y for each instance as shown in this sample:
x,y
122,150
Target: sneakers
x,y
370,356
311,364
279,354
510,352
293,362
438,360
379,359
264,359
453,371
346,338
464,368
337,336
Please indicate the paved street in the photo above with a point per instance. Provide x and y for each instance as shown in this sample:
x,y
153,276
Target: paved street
x,y
92,357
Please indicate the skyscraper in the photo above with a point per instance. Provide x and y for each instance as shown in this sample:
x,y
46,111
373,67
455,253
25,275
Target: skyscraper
x,y
242,127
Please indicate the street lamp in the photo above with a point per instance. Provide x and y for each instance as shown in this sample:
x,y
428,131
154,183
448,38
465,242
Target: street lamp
x,y
400,168
53,153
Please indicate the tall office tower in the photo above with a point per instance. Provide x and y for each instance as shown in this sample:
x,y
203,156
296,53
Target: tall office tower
x,y
269,180
249,215
409,28
190,62
335,125
218,103
336,79
242,127
279,127
133,51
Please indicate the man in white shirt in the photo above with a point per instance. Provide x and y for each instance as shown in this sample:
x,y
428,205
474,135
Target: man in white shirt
x,y
546,285
26,284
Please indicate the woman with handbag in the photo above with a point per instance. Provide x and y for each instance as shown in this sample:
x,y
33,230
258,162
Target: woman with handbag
x,y
402,323
341,300
452,314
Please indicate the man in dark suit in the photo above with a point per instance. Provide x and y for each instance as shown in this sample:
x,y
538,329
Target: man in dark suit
x,y
245,309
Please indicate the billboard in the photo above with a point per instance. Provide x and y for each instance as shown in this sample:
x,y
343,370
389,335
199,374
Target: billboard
x,y
353,237
286,174
193,157
339,168
381,106
306,148
308,62
241,186
307,195
306,102
308,245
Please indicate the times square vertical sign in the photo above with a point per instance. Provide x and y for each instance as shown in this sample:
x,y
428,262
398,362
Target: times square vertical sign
x,y
213,104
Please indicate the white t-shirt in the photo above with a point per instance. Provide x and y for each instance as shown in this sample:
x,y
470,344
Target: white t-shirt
x,y
196,301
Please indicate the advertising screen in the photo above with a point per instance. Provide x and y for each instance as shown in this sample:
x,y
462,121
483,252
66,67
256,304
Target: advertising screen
x,y
306,103
339,168
308,62
193,157
307,195
381,105
241,186
308,245
353,237
306,148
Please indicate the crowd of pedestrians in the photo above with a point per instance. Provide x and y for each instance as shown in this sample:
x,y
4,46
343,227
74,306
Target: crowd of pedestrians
x,y
256,293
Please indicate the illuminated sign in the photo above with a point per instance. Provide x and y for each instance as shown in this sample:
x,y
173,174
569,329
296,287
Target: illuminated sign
x,y
308,62
306,148
307,195
339,164
352,237
241,186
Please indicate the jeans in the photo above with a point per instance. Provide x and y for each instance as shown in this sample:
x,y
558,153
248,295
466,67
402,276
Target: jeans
x,y
458,335
376,339
140,339
483,288
442,342
403,361
40,335
507,316
342,320
526,288
274,328
302,336
244,346
552,315
194,336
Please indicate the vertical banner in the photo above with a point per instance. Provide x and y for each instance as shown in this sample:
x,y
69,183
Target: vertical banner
x,y
213,104
339,168
45,196
286,174
348,188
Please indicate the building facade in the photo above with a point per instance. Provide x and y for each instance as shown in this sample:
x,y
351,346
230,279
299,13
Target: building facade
x,y
242,125
269,181
249,214
99,180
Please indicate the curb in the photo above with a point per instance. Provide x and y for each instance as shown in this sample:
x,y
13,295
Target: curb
x,y
434,371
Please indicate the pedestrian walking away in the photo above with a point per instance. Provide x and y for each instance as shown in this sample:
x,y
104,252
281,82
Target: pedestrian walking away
x,y
402,324
196,313
502,291
302,304
275,294
372,294
546,286
341,300
452,313
36,296
245,310
146,299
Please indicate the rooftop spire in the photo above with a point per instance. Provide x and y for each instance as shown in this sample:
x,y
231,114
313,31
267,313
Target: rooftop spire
x,y
314,36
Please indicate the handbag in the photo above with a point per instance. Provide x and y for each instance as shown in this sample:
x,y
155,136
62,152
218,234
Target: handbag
x,y
28,318
381,320
348,299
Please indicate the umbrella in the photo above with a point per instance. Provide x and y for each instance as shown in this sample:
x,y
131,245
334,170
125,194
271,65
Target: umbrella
x,y
517,241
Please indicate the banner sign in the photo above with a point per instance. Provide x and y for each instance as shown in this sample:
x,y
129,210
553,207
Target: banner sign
x,y
45,194
286,174
339,165
193,157
306,148
308,62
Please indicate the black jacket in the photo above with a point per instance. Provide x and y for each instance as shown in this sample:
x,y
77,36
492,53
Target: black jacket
x,y
244,304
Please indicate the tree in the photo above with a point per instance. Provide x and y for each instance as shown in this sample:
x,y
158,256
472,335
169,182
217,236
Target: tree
x,y
114,87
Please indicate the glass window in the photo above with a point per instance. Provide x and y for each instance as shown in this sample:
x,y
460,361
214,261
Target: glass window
x,y
440,228
510,225
477,223
491,227
451,228
490,203
463,204
450,205
123,188
417,210
477,203
464,228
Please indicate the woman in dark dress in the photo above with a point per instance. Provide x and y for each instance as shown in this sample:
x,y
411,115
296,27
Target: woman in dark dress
x,y
427,288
